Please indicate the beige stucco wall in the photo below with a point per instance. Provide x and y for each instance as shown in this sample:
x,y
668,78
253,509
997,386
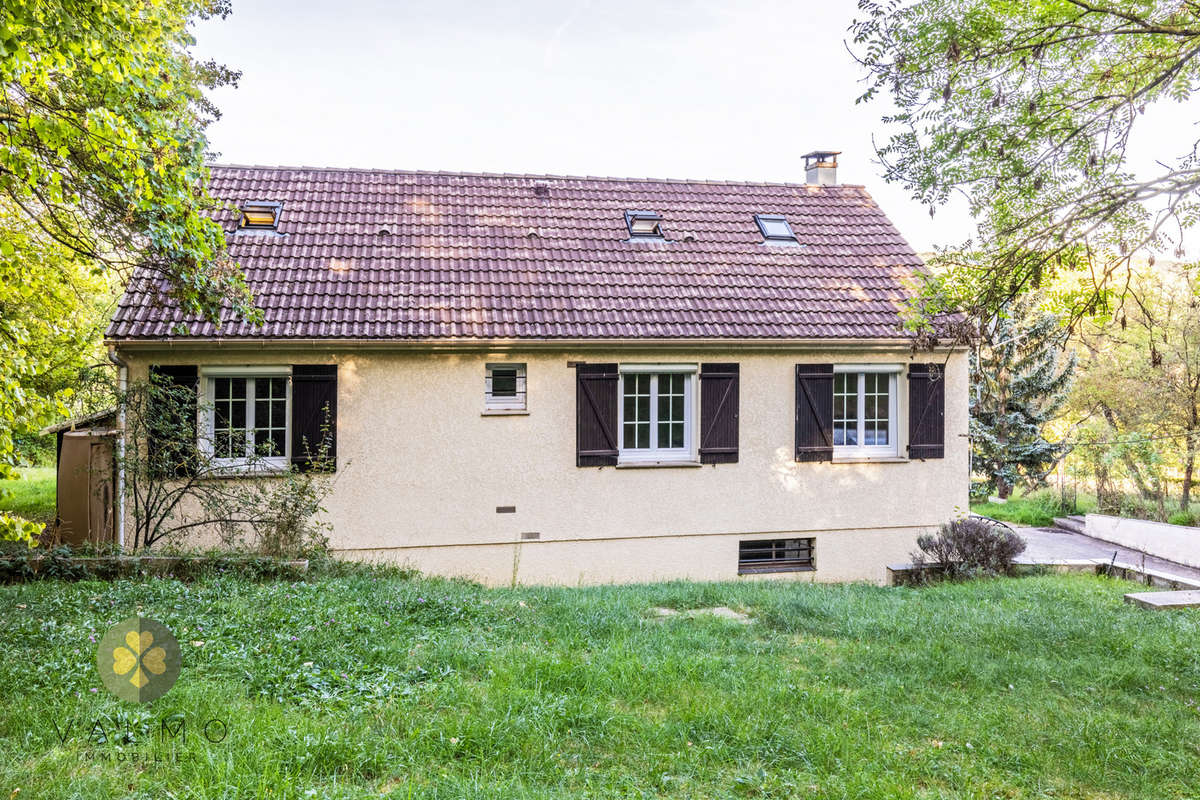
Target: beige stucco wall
x,y
421,472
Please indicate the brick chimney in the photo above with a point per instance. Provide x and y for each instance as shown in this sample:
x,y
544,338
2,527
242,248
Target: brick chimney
x,y
820,167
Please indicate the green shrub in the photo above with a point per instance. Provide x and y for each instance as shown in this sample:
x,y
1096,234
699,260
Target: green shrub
x,y
15,529
969,548
19,564
1182,518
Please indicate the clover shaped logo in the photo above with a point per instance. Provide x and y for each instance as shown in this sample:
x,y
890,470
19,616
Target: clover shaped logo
x,y
138,660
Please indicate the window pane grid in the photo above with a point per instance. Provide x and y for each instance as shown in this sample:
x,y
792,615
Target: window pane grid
x,y
270,416
229,417
250,417
876,402
637,412
775,555
655,411
670,410
863,409
845,409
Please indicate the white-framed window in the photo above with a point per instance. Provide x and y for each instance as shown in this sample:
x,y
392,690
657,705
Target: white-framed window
x,y
504,387
865,409
655,415
246,416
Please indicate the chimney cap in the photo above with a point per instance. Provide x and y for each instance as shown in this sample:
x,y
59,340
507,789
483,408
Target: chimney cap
x,y
822,157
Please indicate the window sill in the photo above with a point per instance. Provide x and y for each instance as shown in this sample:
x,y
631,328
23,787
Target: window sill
x,y
769,570
227,473
504,412
656,464
870,460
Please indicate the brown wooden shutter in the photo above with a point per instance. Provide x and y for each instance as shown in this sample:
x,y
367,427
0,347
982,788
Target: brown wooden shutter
x,y
926,411
719,413
596,415
814,412
175,456
314,415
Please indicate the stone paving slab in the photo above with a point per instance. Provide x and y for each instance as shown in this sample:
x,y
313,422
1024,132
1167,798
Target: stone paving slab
x,y
1160,600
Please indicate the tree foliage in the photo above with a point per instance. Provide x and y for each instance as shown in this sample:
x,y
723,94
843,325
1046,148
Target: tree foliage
x,y
1020,382
52,311
102,169
102,144
1138,396
1027,110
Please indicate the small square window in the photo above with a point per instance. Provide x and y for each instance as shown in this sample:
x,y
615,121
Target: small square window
x,y
644,224
504,387
774,228
775,555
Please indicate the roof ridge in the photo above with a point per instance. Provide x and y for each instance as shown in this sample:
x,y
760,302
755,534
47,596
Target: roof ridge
x,y
531,176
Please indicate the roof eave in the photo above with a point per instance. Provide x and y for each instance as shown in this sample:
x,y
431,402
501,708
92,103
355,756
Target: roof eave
x,y
547,344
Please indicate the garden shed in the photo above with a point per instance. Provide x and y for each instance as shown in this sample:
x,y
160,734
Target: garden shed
x,y
85,494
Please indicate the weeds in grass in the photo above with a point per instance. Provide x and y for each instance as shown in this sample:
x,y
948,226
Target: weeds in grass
x,y
370,684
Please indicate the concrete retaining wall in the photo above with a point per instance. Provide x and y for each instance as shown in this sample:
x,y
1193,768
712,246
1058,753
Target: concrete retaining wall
x,y
1176,543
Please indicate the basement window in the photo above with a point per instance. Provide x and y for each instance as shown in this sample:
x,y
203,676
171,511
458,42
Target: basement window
x,y
260,215
644,224
775,555
775,229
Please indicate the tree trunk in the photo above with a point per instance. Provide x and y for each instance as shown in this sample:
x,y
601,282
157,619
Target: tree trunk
x,y
1146,491
1188,466
1189,463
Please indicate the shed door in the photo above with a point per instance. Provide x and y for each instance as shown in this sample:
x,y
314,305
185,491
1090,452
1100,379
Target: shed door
x,y
85,491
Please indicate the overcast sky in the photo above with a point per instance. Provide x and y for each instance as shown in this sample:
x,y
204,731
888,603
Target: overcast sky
x,y
730,90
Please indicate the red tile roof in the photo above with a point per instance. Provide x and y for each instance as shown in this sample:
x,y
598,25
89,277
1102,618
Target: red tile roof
x,y
431,255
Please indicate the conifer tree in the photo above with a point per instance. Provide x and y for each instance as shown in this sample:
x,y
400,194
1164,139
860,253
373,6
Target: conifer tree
x,y
1020,380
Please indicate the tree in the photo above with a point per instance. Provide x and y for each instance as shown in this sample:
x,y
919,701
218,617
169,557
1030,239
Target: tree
x,y
102,144
1141,382
52,310
102,170
1020,383
1026,110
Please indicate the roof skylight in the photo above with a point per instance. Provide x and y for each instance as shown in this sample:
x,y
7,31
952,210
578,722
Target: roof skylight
x,y
262,215
775,228
644,224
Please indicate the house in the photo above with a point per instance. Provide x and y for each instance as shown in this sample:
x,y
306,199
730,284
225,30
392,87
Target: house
x,y
546,379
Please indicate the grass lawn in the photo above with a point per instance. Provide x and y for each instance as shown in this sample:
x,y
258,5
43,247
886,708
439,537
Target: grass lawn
x,y
368,686
1038,509
30,496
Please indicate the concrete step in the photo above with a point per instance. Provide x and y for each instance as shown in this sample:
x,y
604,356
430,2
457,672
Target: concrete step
x,y
1160,600
1073,524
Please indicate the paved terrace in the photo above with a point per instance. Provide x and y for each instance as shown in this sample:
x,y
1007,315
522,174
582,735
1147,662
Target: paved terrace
x,y
1045,545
